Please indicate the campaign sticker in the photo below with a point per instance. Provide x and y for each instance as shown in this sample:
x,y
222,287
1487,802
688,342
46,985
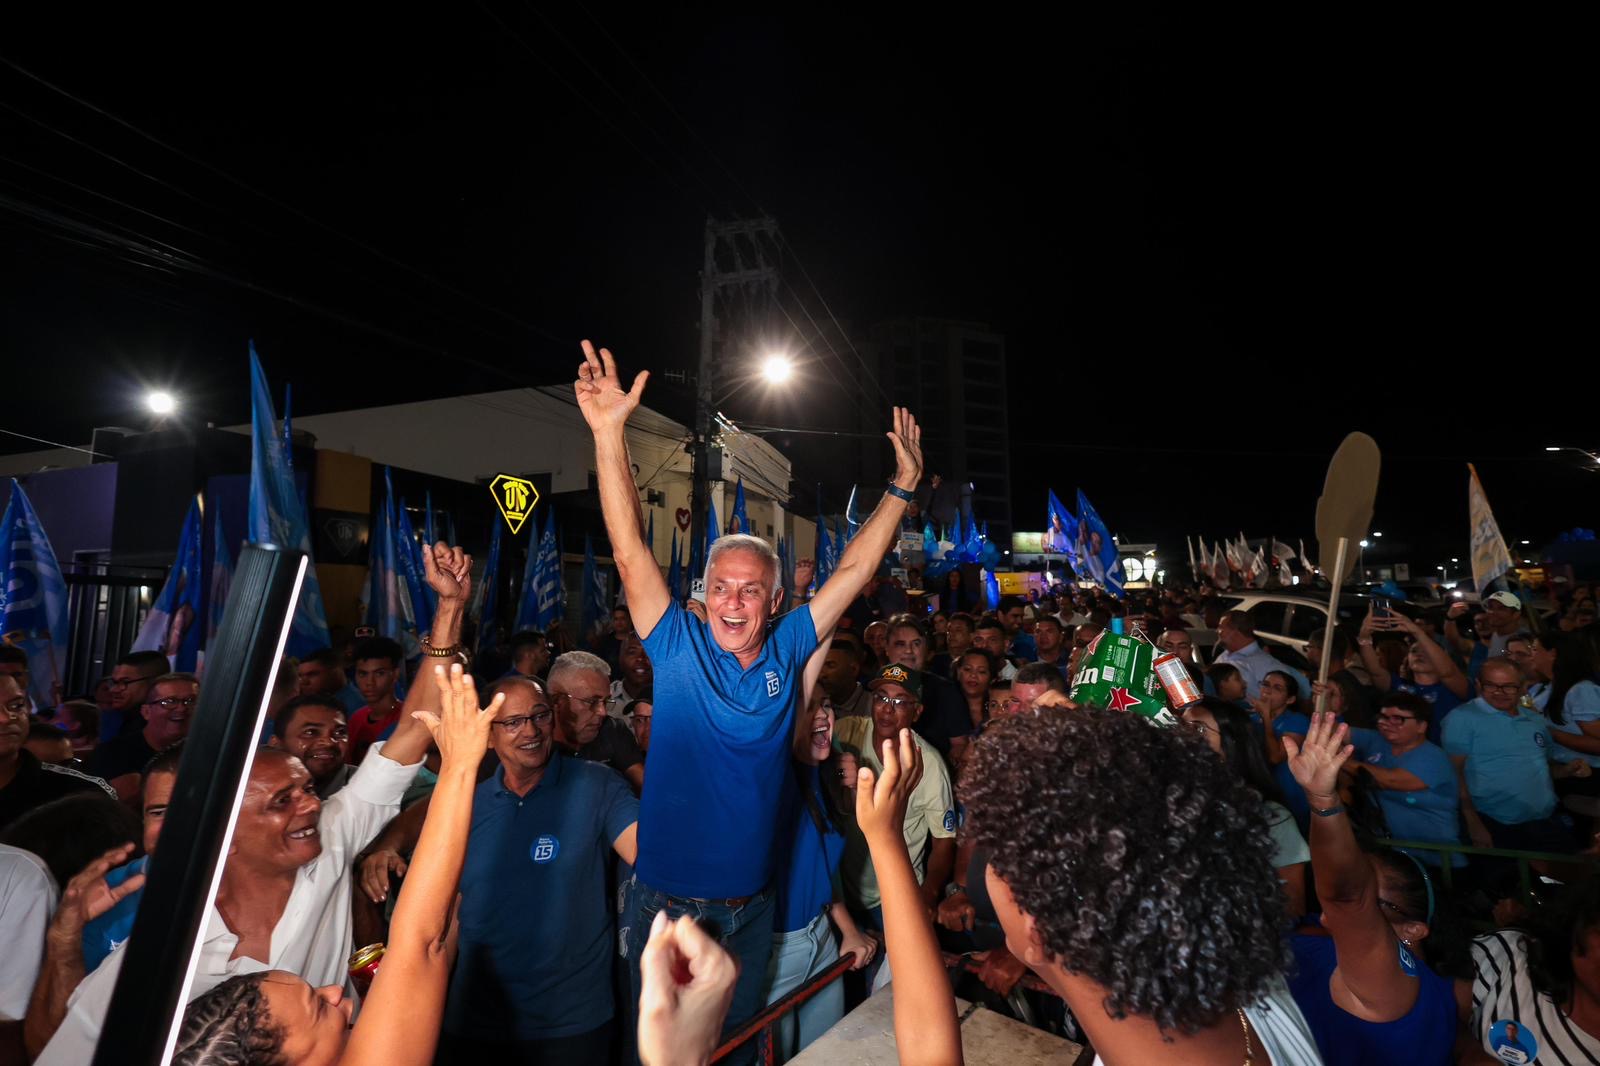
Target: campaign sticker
x,y
949,821
1408,962
1539,739
545,849
1510,1042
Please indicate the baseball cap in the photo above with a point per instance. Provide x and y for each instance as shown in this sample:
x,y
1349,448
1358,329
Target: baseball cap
x,y
905,677
1505,599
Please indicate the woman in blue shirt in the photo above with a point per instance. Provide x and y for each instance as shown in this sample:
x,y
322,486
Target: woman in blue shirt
x,y
1428,670
808,904
1568,696
1361,982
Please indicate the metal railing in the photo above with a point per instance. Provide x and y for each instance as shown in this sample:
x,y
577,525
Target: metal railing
x,y
761,1026
1523,859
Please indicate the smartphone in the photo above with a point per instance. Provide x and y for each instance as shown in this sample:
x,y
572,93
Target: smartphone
x,y
1380,607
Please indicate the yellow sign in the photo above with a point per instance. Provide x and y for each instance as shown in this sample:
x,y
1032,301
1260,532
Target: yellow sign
x,y
516,497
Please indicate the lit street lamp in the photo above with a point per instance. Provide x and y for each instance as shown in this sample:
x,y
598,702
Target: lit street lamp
x,y
161,403
777,368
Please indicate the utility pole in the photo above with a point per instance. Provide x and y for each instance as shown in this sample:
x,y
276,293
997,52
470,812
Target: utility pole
x,y
736,242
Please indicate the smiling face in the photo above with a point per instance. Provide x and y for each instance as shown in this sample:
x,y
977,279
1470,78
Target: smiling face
x,y
314,1021
167,710
580,702
740,598
320,738
523,730
815,745
1501,684
636,669
279,819
893,708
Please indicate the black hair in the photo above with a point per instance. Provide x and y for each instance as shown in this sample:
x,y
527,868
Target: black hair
x,y
164,761
1008,602
1573,664
283,721
1408,890
1341,641
38,729
379,648
1241,751
1290,681
230,1025
1220,672
1145,863
908,621
1050,619
1409,702
989,621
525,638
1041,674
648,697
324,657
149,663
964,618
73,831
989,660
10,653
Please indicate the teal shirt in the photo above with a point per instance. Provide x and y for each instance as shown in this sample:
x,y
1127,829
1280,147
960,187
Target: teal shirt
x,y
1508,756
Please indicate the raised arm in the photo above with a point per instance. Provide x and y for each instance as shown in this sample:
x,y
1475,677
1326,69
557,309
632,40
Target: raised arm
x,y
1363,940
449,574
1450,674
400,1019
1381,679
925,1025
606,407
860,560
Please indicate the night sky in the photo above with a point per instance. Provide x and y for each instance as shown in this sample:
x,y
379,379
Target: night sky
x,y
1214,249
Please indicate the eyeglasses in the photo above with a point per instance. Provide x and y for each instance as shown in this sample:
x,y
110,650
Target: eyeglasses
x,y
174,702
1395,719
1201,726
124,682
1511,686
893,701
587,703
17,709
510,726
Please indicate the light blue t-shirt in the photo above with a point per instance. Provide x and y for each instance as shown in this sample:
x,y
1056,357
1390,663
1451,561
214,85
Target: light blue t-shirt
x,y
102,934
1429,815
719,756
1581,705
1508,756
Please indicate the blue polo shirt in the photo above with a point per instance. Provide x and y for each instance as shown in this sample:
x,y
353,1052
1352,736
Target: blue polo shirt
x,y
102,934
536,934
808,868
1431,815
1507,771
1582,704
719,756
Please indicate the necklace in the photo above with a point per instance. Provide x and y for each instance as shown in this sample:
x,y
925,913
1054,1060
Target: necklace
x,y
1245,1026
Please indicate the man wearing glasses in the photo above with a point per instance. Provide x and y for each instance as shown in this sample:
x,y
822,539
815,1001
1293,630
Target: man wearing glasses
x,y
1415,781
167,708
25,782
538,987
1506,760
129,685
896,702
580,685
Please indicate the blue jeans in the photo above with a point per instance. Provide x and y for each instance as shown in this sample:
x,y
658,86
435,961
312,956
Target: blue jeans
x,y
745,930
797,957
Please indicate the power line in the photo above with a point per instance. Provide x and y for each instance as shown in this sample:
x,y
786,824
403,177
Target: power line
x,y
53,444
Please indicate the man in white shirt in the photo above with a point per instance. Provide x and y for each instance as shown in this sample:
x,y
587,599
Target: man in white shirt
x,y
284,901
635,677
27,898
1236,632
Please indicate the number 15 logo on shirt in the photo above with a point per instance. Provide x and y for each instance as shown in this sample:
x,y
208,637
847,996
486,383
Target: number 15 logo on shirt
x,y
774,684
545,849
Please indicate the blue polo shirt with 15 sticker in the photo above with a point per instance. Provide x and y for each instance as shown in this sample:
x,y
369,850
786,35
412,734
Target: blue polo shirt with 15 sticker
x,y
536,932
719,756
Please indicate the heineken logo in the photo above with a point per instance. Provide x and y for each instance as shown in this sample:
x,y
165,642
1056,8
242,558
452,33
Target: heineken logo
x,y
1121,699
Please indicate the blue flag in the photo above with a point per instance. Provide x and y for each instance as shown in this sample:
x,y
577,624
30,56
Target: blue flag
x,y
386,610
971,550
276,515
288,427
427,520
675,570
930,543
739,514
528,598
173,625
595,611
713,531
33,599
1061,530
650,533
550,595
221,579
1096,550
450,529
488,594
409,554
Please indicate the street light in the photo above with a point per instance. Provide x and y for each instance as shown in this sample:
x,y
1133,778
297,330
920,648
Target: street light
x,y
777,368
1570,448
161,403
1375,533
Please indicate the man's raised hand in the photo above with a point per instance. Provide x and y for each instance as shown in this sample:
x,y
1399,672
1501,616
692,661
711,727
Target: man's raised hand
x,y
601,398
907,441
448,571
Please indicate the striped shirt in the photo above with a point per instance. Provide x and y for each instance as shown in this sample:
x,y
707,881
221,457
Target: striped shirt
x,y
1503,990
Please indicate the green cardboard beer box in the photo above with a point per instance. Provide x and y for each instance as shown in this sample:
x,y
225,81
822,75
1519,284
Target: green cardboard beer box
x,y
1116,672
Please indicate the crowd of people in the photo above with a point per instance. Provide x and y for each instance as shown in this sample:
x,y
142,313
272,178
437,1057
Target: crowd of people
x,y
1302,870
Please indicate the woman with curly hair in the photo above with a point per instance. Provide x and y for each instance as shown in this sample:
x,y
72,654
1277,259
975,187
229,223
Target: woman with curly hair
x,y
277,1019
1132,871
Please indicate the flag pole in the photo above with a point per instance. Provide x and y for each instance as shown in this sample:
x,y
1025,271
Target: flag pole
x,y
1333,620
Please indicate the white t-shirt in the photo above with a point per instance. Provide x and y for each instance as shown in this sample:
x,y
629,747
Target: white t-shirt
x,y
27,899
1502,990
1288,846
1280,1030
312,937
